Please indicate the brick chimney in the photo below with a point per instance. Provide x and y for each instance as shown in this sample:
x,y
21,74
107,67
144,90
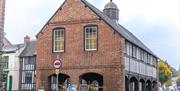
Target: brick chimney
x,y
26,39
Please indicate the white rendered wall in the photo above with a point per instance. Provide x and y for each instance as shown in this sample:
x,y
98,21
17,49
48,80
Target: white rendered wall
x,y
13,68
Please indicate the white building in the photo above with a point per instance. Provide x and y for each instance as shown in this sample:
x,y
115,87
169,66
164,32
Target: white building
x,y
11,59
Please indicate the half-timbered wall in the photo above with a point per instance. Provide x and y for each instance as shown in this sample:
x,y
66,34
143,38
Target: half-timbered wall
x,y
139,61
27,73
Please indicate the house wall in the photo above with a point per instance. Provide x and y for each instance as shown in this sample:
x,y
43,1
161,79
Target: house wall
x,y
27,69
13,71
2,11
13,68
1,28
2,4
108,60
139,61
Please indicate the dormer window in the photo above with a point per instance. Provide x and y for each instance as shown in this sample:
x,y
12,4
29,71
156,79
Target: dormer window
x,y
58,40
91,38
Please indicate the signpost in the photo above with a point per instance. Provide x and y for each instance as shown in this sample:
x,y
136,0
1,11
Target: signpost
x,y
57,64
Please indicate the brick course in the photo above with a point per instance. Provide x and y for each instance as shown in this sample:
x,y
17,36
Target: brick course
x,y
108,60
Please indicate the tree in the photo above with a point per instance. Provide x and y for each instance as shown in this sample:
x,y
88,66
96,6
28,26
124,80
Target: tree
x,y
169,83
165,73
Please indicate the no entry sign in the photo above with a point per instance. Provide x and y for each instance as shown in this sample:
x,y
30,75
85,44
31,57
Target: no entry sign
x,y
57,63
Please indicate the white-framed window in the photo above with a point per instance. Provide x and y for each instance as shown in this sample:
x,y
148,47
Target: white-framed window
x,y
145,57
148,59
58,40
142,55
138,54
134,52
127,48
28,77
130,49
127,63
91,34
151,60
154,61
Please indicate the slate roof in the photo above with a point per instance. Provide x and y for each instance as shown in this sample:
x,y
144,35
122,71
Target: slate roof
x,y
117,27
30,49
8,47
12,48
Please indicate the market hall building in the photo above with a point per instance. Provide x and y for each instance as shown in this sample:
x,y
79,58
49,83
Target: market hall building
x,y
97,53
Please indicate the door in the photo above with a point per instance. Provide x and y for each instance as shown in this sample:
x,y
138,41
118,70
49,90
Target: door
x,y
10,83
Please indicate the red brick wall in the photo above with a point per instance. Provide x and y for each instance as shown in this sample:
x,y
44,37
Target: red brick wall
x,y
1,25
108,60
1,14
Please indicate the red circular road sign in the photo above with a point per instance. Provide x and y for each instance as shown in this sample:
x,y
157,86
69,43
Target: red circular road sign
x,y
57,63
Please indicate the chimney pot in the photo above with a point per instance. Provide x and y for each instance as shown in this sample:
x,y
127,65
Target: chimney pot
x,y
26,39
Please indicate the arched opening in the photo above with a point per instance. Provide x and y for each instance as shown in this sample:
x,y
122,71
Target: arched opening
x,y
148,85
126,83
134,84
63,82
142,85
91,82
154,86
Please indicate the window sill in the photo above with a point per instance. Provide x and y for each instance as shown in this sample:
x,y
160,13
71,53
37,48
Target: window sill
x,y
58,51
89,50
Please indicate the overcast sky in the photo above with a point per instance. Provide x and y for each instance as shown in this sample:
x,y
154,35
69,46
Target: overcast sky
x,y
155,22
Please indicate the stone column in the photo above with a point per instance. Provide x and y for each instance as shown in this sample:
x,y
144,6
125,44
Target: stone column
x,y
74,79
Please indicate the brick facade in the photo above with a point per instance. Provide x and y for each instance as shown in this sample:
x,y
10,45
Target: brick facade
x,y
108,60
2,8
2,11
1,14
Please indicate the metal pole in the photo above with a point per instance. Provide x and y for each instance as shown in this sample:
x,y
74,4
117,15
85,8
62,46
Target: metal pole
x,y
57,82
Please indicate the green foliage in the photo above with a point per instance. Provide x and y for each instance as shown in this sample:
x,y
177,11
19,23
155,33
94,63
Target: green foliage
x,y
165,73
169,83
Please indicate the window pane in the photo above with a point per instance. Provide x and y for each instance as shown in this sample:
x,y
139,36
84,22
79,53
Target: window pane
x,y
127,48
59,40
130,48
142,55
91,38
134,51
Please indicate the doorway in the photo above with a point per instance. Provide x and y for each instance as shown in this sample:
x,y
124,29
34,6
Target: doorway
x,y
63,82
10,83
91,82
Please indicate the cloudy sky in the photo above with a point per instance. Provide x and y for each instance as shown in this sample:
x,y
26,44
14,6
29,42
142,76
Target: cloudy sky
x,y
155,22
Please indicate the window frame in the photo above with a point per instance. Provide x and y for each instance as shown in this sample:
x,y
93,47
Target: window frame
x,y
130,49
127,48
28,77
145,54
89,26
138,53
134,51
53,40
